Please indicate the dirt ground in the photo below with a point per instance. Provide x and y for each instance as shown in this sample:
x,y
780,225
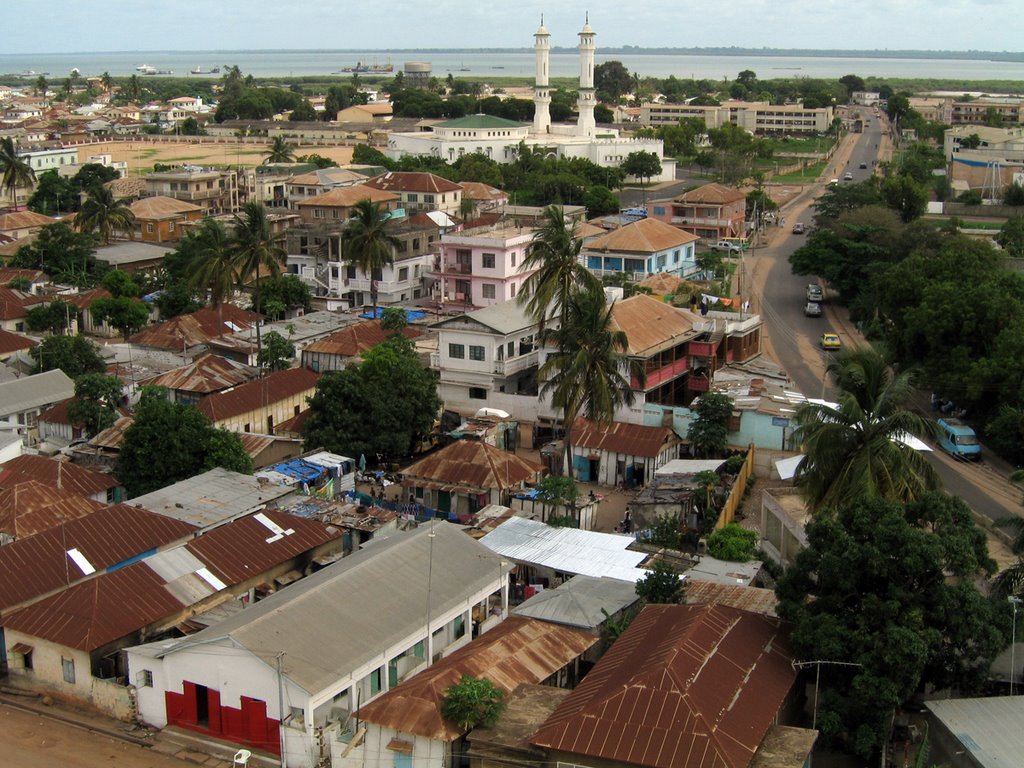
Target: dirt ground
x,y
30,741
142,155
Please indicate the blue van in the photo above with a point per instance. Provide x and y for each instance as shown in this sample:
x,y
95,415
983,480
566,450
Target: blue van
x,y
958,440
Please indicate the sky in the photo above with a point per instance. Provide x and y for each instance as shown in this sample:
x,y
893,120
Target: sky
x,y
47,26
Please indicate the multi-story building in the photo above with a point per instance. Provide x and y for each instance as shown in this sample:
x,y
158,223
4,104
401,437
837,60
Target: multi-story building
x,y
215,191
996,162
758,117
420,191
1009,109
316,182
712,211
336,204
640,249
483,266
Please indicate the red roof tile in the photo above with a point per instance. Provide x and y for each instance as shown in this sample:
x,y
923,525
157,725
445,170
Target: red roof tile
x,y
412,181
712,193
517,651
13,342
358,338
619,437
62,475
30,507
472,465
85,299
272,388
695,686
35,566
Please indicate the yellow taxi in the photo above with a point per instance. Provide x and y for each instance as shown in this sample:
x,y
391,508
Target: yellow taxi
x,y
830,341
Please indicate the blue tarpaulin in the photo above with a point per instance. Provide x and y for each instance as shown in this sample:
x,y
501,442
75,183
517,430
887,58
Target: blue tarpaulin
x,y
411,315
300,470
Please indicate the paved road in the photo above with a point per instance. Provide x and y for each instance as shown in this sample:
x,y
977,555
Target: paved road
x,y
779,296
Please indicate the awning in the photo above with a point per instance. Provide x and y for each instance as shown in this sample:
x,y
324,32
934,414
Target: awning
x,y
287,578
398,745
21,648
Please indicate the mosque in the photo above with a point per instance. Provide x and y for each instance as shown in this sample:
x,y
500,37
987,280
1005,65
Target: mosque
x,y
499,139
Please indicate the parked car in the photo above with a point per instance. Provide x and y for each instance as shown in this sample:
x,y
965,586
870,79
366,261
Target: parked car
x,y
814,292
831,341
958,440
812,309
847,176
728,246
798,228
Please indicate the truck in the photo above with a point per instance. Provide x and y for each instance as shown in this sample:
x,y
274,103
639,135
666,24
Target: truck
x,y
729,246
958,440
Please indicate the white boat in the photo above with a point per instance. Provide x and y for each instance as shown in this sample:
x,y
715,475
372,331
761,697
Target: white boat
x,y
146,69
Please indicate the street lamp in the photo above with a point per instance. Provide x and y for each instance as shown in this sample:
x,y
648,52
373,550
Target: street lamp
x,y
1014,601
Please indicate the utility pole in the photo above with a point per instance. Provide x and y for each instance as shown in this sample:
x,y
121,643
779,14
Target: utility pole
x,y
280,708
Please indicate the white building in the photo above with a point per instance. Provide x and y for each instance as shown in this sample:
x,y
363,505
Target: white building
x,y
499,139
287,674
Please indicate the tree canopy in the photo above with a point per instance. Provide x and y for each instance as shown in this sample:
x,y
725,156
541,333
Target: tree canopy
x,y
709,431
472,701
661,584
75,355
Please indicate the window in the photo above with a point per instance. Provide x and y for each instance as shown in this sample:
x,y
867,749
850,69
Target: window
x,y
460,626
68,667
428,198
488,290
457,351
488,260
477,393
170,226
476,353
512,290
413,197
149,227
375,681
403,274
515,258
318,213
145,679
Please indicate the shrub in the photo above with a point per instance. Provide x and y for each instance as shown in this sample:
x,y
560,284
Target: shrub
x,y
733,543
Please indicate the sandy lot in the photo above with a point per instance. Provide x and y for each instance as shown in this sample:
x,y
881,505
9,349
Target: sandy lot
x,y
142,155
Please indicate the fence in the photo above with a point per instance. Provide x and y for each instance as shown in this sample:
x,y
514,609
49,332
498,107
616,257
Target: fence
x,y
739,487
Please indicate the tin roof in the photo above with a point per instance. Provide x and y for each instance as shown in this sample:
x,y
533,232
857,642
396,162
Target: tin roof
x,y
36,391
23,220
102,538
645,236
30,507
12,342
412,181
684,685
620,437
199,327
472,465
245,398
579,601
517,651
85,299
651,325
712,193
753,599
358,338
61,475
161,207
986,728
206,374
346,197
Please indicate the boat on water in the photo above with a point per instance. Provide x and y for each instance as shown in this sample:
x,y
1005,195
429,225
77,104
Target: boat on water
x,y
370,69
201,71
146,69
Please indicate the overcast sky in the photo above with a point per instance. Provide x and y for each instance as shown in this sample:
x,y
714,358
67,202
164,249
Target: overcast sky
x,y
38,26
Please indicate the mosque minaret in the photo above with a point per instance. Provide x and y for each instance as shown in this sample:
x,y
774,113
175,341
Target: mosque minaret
x,y
541,89
587,100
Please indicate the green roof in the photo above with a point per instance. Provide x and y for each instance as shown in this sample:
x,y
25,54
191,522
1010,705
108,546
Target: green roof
x,y
481,121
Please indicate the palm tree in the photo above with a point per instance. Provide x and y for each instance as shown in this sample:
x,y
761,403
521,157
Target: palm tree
x,y
107,82
213,267
280,151
367,242
41,85
858,449
555,257
14,171
134,89
589,374
254,249
104,216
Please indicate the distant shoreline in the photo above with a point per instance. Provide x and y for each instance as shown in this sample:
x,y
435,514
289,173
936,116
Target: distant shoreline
x,y
1003,56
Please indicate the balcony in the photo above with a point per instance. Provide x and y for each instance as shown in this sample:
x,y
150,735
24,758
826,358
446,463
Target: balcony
x,y
516,364
659,376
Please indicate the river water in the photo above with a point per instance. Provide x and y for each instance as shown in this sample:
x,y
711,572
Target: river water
x,y
286,63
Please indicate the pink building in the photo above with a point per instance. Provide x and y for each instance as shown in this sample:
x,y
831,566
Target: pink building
x,y
483,266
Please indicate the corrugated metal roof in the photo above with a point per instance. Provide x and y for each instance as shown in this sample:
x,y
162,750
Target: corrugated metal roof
x,y
684,685
30,507
753,599
29,392
262,393
206,374
358,338
689,466
472,465
62,475
370,600
568,550
10,222
646,236
112,436
12,342
711,193
161,207
199,327
412,181
651,325
346,197
579,601
988,729
620,437
105,537
517,651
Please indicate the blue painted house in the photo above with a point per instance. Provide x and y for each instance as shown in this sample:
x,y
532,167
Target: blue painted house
x,y
643,248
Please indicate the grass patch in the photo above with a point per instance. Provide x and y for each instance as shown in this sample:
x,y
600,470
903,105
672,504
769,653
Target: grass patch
x,y
802,145
809,175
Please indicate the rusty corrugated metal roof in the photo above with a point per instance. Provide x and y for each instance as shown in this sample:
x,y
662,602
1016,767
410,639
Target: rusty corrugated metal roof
x,y
272,388
711,193
30,507
753,599
108,536
517,651
619,437
13,342
358,338
473,465
412,181
62,475
685,685
199,327
112,436
651,325
204,375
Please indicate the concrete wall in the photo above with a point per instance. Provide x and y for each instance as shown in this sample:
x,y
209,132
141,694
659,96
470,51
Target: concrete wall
x,y
257,420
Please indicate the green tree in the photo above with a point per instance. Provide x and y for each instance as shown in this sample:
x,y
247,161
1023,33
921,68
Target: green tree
x,y
1014,194
169,442
600,201
855,450
191,127
383,404
904,195
209,266
75,355
394,319
851,83
612,80
53,317
123,309
303,112
318,160
642,165
133,89
62,253
661,585
15,171
97,397
104,216
1011,236
589,374
733,543
368,243
53,195
471,702
889,590
277,353
255,249
279,151
709,430
283,292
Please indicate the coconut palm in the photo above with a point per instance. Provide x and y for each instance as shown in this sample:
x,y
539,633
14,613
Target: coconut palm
x,y
280,151
14,171
213,266
858,448
367,242
254,249
589,374
104,216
